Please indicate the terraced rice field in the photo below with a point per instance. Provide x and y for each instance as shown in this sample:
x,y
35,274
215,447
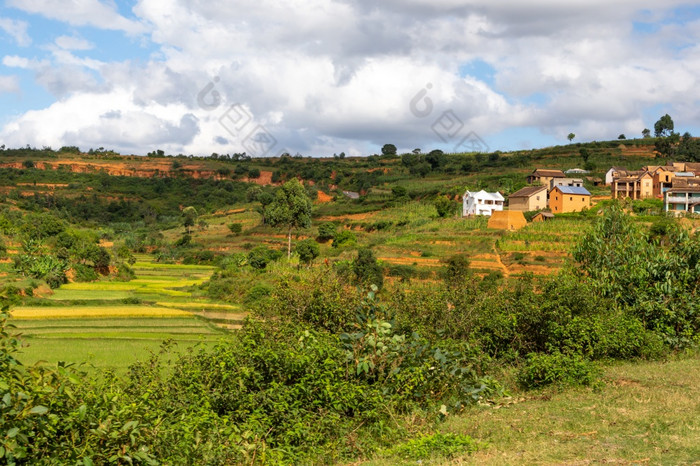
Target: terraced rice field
x,y
111,325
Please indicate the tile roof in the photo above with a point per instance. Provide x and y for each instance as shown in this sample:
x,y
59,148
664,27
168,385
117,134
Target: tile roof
x,y
528,191
554,173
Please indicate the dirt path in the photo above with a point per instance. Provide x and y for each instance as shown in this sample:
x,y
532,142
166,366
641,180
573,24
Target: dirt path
x,y
503,268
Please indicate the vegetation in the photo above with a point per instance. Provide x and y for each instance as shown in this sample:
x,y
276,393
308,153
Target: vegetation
x,y
395,342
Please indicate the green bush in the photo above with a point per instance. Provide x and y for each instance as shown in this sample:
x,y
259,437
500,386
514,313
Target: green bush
x,y
366,269
257,292
544,369
308,250
435,445
236,228
84,273
260,256
326,231
344,238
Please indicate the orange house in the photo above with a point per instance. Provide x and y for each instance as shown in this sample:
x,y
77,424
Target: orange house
x,y
569,199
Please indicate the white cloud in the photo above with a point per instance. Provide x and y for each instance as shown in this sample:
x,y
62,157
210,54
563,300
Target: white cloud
x,y
103,15
319,73
73,43
9,84
17,30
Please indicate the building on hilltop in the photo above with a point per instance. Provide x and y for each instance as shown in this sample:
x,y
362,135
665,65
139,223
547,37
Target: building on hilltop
x,y
481,203
544,177
637,186
528,199
564,199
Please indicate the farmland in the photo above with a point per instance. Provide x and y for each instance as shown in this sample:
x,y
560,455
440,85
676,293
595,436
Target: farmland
x,y
69,326
394,324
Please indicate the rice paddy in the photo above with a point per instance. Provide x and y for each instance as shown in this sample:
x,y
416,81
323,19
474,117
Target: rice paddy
x,y
111,325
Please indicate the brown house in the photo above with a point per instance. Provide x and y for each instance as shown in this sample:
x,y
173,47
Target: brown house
x,y
568,199
636,187
544,177
528,199
662,179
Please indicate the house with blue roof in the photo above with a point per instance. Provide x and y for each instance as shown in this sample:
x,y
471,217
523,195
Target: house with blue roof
x,y
564,199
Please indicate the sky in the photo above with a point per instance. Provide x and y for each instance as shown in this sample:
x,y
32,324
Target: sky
x,y
319,77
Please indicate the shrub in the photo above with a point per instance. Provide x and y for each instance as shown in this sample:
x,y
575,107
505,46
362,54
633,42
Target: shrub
x,y
3,249
254,173
326,231
557,368
257,292
307,250
444,206
457,271
84,273
236,228
438,444
260,256
344,238
366,269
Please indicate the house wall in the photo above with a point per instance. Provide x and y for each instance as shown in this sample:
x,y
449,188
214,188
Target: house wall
x,y
561,203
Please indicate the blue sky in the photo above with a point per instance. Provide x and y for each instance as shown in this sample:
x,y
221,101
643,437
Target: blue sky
x,y
322,77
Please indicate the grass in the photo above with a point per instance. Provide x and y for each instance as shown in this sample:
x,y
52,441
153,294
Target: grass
x,y
45,312
645,413
109,343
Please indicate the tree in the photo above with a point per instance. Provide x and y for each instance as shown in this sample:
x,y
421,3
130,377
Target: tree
x,y
189,215
444,206
663,127
399,192
326,231
389,149
622,136
235,228
646,133
584,154
571,137
291,209
435,158
308,250
366,269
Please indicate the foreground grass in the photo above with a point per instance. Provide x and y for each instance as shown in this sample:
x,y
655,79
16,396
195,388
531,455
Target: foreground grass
x,y
645,413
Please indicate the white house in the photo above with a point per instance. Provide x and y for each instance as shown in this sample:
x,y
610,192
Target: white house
x,y
481,203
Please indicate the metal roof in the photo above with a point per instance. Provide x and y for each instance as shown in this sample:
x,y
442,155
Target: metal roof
x,y
573,190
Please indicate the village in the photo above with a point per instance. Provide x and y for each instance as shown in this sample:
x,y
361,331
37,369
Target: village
x,y
551,192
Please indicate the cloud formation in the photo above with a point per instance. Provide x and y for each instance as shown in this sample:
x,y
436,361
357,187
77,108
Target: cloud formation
x,y
325,76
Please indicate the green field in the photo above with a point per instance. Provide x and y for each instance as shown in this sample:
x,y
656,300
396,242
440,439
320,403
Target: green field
x,y
75,325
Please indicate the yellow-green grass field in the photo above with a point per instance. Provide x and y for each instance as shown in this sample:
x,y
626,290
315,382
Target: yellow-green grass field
x,y
110,343
110,324
644,413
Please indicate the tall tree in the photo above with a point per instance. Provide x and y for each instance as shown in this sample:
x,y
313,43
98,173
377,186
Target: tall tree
x,y
189,215
571,137
389,149
663,127
291,208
